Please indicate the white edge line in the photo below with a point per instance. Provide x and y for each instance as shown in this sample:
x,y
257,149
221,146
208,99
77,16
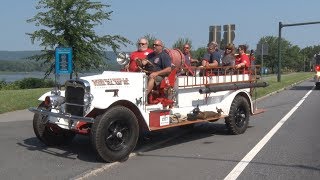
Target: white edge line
x,y
237,170
104,167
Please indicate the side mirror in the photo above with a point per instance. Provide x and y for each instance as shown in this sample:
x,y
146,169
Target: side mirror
x,y
123,58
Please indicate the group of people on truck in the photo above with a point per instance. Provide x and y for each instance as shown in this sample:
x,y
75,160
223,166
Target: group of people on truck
x,y
214,58
157,63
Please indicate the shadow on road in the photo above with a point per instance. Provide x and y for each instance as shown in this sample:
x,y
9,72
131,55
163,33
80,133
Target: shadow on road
x,y
305,88
199,131
81,147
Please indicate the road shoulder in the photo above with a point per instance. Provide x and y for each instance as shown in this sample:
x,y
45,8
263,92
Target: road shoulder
x,y
20,115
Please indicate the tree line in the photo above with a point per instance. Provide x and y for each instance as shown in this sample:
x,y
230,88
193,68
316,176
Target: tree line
x,y
21,66
70,23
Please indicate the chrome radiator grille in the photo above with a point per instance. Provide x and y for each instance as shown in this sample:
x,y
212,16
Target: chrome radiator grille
x,y
74,95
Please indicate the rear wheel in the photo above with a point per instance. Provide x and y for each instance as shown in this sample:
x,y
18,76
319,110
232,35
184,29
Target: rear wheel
x,y
238,119
114,135
50,134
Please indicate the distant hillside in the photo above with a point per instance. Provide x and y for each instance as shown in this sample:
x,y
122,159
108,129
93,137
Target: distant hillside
x,y
20,56
16,55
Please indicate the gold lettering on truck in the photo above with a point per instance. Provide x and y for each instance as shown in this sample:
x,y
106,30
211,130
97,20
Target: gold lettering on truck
x,y
111,81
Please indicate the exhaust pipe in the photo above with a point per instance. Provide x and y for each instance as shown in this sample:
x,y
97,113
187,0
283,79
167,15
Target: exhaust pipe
x,y
235,86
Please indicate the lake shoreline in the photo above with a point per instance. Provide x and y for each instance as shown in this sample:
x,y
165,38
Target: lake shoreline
x,y
8,76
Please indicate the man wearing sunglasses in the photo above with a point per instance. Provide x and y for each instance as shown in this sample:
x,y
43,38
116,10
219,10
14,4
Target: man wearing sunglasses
x,y
158,64
187,55
141,53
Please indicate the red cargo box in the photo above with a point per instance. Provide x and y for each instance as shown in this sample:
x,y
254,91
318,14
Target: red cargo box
x,y
159,118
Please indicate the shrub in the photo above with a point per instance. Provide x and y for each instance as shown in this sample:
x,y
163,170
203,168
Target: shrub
x,y
27,83
31,83
10,86
2,84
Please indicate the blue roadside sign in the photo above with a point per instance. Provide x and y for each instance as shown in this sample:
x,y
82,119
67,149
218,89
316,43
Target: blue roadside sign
x,y
63,60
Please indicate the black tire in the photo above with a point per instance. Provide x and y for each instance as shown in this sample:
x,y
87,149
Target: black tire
x,y
238,119
114,135
50,134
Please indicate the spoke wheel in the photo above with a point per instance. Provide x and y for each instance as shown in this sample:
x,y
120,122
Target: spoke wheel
x,y
114,134
117,135
238,119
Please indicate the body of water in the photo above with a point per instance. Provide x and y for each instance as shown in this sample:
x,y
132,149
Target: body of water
x,y
14,76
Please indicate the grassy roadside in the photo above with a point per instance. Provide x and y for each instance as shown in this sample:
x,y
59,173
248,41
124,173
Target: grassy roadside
x,y
286,80
12,100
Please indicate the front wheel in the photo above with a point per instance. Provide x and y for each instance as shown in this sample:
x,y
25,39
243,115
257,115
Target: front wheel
x,y
238,119
50,134
114,135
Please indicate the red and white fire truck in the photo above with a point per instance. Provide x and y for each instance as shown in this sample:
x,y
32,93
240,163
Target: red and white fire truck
x,y
317,70
113,107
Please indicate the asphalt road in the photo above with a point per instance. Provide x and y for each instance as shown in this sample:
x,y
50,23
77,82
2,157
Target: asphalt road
x,y
205,152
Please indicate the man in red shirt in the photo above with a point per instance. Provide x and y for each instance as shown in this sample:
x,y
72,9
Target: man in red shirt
x,y
141,53
242,60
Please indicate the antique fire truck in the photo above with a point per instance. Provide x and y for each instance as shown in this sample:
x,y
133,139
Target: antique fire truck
x,y
317,70
113,107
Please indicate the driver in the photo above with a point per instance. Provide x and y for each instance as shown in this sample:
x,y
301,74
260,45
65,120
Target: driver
x,y
141,53
158,64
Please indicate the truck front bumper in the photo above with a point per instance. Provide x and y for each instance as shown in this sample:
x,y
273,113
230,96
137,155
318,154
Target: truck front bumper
x,y
62,115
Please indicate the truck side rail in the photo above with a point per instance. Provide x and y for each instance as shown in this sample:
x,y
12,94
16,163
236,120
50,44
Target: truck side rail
x,y
204,76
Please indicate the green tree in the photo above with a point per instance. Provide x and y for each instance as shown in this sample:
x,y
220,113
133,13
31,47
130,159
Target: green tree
x,y
199,53
308,54
181,42
150,39
70,23
293,59
271,60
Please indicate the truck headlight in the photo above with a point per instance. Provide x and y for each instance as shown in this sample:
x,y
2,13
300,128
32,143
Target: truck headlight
x,y
54,101
87,98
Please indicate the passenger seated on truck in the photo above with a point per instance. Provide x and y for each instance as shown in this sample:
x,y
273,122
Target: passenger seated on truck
x,y
228,59
189,61
211,58
157,65
242,60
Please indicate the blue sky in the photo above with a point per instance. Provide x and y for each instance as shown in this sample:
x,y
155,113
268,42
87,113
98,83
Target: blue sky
x,y
169,20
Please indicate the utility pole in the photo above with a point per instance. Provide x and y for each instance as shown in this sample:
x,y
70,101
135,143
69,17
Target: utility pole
x,y
262,49
262,60
304,63
279,53
279,42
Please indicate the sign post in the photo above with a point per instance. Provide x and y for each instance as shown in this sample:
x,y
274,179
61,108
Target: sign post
x,y
63,63
262,49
